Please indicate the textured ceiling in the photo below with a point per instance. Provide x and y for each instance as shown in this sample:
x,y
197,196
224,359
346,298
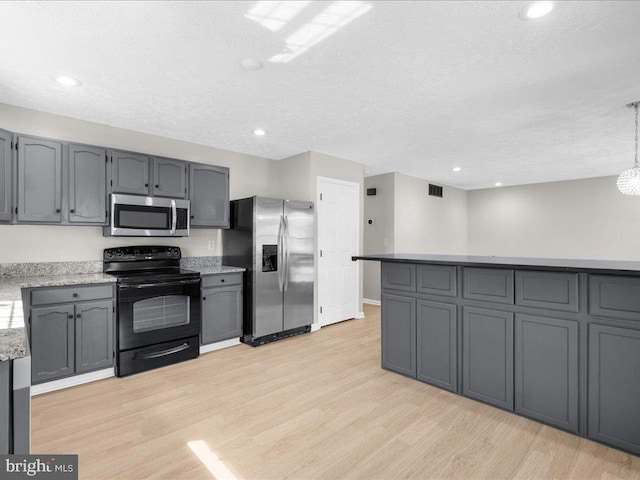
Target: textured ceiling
x,y
412,87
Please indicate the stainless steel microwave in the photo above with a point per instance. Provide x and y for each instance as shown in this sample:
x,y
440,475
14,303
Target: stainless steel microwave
x,y
139,216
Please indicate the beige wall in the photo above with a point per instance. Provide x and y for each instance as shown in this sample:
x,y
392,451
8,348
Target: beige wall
x,y
249,175
425,224
586,218
379,236
293,175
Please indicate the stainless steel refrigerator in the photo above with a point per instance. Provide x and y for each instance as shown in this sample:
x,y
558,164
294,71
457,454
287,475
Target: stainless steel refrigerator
x,y
273,239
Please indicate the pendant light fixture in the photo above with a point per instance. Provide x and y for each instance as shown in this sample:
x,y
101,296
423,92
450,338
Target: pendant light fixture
x,y
629,180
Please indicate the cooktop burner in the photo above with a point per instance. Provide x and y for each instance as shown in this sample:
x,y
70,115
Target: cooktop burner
x,y
145,263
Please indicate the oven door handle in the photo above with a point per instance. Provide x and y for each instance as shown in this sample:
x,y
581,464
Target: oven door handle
x,y
161,284
161,353
174,217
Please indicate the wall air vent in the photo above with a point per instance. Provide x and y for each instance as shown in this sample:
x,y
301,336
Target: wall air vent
x,y
435,190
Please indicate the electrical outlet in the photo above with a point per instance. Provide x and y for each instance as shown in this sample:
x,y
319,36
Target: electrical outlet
x,y
211,245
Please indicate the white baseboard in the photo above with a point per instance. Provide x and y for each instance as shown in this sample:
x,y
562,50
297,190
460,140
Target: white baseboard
x,y
371,302
71,381
359,315
315,327
212,347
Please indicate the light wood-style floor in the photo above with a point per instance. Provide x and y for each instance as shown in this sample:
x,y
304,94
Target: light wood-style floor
x,y
316,406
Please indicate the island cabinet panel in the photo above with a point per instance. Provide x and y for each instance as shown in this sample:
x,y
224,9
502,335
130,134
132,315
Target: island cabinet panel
x,y
546,370
614,296
399,334
488,356
437,351
399,276
488,284
614,386
550,290
436,280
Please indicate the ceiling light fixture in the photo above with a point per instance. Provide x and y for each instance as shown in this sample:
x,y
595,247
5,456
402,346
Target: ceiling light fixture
x,y
68,81
536,10
456,169
629,180
258,131
498,184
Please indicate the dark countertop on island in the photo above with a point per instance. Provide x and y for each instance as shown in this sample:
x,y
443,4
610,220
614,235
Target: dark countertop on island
x,y
525,263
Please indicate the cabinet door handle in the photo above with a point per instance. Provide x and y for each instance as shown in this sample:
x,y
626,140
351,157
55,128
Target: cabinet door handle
x,y
204,298
78,315
222,280
192,216
57,210
146,184
72,211
70,316
75,295
157,186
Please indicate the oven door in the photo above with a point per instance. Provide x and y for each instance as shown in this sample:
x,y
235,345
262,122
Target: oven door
x,y
152,313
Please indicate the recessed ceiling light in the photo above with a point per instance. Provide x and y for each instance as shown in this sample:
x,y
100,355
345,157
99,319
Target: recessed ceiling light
x,y
535,10
251,64
498,184
68,81
259,132
456,169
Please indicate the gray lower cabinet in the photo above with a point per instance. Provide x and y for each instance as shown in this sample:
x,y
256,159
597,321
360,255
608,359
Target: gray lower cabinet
x,y
5,175
39,189
399,334
437,341
52,342
488,356
93,336
70,338
5,411
87,196
130,172
221,313
169,178
614,386
209,195
546,369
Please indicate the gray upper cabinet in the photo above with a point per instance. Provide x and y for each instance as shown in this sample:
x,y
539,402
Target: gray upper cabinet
x,y
546,370
209,194
614,386
488,356
94,335
399,334
221,313
5,175
52,342
437,339
39,164
87,185
130,173
169,178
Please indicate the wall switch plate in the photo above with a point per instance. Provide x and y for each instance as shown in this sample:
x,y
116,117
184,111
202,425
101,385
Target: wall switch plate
x,y
386,242
211,245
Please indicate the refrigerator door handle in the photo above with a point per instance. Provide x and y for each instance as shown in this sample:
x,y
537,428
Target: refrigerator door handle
x,y
286,253
280,252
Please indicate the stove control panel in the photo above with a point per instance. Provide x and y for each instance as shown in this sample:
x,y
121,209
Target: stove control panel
x,y
142,252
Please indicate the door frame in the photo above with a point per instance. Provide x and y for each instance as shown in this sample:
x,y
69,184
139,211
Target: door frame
x,y
358,291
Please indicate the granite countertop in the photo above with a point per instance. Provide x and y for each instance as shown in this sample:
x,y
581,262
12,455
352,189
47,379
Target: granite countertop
x,y
214,270
557,264
13,336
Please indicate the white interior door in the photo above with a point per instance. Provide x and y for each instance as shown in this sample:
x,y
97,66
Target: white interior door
x,y
338,233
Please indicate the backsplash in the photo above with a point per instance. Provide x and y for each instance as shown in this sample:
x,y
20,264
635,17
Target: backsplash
x,y
73,268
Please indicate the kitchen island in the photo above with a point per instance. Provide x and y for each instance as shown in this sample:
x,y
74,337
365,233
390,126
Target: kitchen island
x,y
555,340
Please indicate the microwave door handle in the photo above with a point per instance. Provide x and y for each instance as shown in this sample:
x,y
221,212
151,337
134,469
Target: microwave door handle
x,y
174,217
